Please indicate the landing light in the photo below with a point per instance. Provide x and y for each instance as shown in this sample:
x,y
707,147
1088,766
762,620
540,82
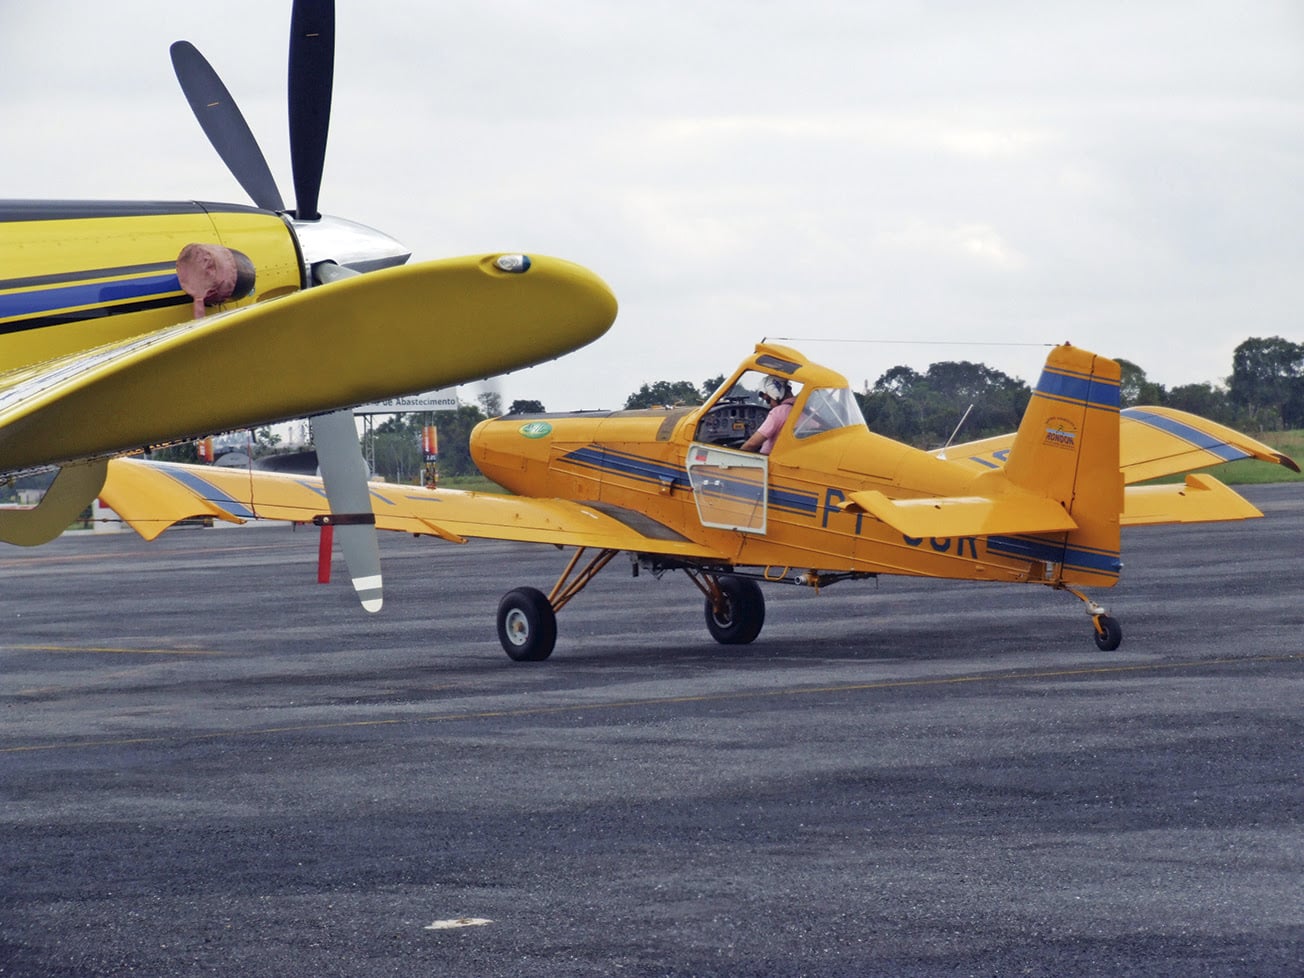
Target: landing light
x,y
513,263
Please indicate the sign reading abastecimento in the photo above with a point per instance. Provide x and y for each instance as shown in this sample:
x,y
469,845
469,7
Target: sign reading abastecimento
x,y
440,400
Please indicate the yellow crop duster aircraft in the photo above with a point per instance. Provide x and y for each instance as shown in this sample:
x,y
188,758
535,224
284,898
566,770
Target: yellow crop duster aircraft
x,y
831,501
105,345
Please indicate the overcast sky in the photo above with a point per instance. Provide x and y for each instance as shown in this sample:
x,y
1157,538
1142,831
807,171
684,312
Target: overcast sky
x,y
918,178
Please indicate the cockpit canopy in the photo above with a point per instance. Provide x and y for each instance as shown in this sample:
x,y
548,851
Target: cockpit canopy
x,y
827,409
738,409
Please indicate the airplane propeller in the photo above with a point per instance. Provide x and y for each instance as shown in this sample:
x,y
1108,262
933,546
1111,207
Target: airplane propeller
x,y
224,126
345,250
312,73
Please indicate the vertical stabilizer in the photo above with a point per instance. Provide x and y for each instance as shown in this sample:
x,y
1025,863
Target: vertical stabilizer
x,y
1067,448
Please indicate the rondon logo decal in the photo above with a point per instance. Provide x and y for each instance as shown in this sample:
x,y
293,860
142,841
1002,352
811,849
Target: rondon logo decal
x,y
536,429
1061,432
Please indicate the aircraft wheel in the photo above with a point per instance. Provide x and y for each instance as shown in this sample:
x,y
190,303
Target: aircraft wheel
x,y
1110,634
743,614
527,625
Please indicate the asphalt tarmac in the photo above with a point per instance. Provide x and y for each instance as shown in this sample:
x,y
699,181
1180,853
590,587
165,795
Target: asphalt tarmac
x,y
209,764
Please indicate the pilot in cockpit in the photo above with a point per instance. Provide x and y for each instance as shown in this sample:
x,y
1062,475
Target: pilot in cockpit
x,y
778,394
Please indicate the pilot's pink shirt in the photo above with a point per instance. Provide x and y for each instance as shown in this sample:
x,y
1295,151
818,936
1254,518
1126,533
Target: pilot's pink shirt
x,y
773,422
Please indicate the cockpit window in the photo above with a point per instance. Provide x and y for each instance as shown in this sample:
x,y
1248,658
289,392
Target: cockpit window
x,y
826,409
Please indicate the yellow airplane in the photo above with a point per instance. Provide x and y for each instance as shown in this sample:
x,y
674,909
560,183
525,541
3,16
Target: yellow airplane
x,y
124,325
832,501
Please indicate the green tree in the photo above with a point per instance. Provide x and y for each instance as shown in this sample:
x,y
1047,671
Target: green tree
x,y
397,444
892,408
1267,382
665,393
526,407
998,400
455,429
924,409
711,385
1207,400
1135,388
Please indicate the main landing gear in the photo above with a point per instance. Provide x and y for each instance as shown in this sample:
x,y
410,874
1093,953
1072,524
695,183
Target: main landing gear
x,y
527,624
1107,632
735,607
527,618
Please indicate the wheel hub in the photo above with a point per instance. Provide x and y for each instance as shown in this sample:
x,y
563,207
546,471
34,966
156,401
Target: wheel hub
x,y
518,627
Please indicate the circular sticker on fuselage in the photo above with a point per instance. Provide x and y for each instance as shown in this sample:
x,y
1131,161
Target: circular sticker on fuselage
x,y
536,429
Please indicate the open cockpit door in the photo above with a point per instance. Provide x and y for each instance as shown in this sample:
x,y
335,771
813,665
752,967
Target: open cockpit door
x,y
729,486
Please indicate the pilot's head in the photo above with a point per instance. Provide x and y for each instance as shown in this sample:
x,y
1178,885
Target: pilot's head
x,y
775,390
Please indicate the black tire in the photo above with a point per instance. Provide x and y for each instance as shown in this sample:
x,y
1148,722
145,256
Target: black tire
x,y
743,614
1110,634
527,625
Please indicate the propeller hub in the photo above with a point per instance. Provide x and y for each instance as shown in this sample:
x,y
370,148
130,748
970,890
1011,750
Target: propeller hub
x,y
346,243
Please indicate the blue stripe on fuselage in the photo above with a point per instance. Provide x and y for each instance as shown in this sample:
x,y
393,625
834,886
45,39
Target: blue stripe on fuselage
x,y
659,473
45,301
632,466
1056,552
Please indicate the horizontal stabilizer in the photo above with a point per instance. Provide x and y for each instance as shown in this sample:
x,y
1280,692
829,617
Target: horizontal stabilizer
x,y
963,516
1165,441
1202,499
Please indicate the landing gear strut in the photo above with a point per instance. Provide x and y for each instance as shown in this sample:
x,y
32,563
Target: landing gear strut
x,y
527,618
1107,632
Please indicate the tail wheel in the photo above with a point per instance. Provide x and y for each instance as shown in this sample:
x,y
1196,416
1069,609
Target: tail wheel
x,y
527,625
1108,633
738,617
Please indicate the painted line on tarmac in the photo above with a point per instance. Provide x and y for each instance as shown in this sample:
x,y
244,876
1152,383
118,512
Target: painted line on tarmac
x,y
106,651
763,694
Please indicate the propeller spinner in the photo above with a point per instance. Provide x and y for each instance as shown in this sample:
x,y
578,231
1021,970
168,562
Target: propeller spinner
x,y
332,248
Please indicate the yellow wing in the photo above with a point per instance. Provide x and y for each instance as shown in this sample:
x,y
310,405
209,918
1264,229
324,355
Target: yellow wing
x,y
383,334
151,496
1153,442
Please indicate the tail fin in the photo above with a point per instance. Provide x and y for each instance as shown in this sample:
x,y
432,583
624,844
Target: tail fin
x,y
1067,448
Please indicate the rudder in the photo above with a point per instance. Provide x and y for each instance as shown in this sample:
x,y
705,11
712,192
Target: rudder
x,y
1067,448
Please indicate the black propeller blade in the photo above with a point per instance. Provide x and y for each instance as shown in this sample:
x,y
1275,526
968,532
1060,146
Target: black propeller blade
x,y
224,126
312,68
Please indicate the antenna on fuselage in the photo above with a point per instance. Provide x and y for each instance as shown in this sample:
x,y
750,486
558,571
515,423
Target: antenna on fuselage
x,y
941,452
